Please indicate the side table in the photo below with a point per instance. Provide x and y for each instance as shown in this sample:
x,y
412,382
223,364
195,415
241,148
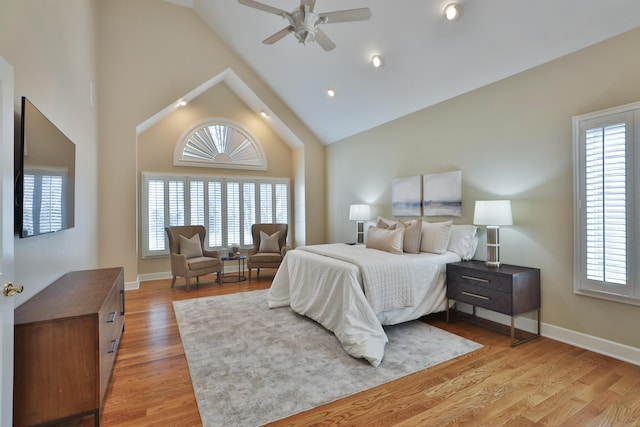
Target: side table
x,y
230,278
507,289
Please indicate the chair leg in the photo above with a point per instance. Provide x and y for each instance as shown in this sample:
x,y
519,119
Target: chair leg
x,y
173,282
188,284
249,273
197,281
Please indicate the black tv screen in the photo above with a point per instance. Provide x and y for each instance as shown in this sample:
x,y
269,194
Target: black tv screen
x,y
45,162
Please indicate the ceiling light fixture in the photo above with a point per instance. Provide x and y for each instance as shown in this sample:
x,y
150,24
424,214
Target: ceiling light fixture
x,y
452,11
377,61
331,92
264,114
182,103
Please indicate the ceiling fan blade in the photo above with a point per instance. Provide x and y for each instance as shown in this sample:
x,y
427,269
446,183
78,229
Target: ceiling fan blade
x,y
264,7
361,14
323,40
279,35
310,3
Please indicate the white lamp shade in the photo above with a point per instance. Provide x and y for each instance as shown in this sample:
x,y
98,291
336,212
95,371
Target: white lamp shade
x,y
493,212
359,212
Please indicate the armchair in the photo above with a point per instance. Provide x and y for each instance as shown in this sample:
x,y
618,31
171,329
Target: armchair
x,y
268,252
188,256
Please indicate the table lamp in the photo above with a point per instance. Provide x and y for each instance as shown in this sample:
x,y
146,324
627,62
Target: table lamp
x,y
493,214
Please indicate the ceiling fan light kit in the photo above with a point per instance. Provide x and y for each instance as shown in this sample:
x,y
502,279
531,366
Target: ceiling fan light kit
x,y
304,22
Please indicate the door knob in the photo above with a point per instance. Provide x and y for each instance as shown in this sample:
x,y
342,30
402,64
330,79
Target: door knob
x,y
8,290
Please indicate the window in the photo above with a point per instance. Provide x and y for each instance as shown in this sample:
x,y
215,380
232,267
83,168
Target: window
x,y
226,206
607,197
219,143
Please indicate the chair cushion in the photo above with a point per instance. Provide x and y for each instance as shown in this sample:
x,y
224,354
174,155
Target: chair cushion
x,y
266,257
269,243
190,248
198,263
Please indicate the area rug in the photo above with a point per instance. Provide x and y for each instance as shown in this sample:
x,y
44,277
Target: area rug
x,y
251,365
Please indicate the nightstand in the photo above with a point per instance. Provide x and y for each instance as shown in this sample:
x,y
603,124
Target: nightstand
x,y
508,289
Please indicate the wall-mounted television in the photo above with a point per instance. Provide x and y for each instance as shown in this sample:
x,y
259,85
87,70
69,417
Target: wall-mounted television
x,y
45,161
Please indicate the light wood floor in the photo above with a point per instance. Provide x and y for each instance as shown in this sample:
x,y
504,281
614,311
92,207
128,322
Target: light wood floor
x,y
542,382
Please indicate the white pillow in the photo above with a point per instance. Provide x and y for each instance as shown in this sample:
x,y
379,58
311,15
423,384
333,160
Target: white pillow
x,y
385,240
190,248
412,235
463,241
435,237
269,243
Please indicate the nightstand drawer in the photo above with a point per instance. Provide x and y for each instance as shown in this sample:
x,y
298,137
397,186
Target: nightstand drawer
x,y
488,297
480,279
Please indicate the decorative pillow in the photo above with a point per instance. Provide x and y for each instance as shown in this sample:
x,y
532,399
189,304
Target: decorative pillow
x,y
389,222
269,243
190,248
385,240
463,241
412,235
385,226
435,237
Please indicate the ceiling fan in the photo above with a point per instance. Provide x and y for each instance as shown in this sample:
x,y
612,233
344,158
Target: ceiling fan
x,y
304,22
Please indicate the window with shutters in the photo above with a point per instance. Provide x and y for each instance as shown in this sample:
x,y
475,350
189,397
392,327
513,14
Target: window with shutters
x,y
607,204
226,206
219,143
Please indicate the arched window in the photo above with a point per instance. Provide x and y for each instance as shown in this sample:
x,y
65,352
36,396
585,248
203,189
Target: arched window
x,y
219,143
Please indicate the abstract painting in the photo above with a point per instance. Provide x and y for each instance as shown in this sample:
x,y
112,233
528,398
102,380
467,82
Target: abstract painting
x,y
406,196
442,194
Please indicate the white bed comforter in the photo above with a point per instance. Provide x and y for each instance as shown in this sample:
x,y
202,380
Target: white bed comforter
x,y
325,283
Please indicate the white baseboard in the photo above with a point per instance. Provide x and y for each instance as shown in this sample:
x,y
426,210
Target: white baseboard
x,y
232,268
588,342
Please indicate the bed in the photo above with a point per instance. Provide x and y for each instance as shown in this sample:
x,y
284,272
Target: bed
x,y
353,290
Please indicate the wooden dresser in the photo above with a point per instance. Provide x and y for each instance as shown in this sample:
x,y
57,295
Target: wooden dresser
x,y
66,339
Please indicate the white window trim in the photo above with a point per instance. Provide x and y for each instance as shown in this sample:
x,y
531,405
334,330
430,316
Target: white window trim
x,y
146,176
630,294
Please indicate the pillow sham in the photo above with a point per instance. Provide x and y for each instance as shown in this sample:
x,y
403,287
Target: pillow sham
x,y
385,240
388,222
269,243
412,235
190,248
435,237
463,240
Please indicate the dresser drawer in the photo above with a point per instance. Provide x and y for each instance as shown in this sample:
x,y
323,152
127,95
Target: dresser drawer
x,y
479,279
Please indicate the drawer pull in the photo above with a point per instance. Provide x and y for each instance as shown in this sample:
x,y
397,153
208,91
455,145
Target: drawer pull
x,y
113,317
477,279
475,295
114,345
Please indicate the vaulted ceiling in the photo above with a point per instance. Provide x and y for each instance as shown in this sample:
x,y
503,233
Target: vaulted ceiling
x,y
426,59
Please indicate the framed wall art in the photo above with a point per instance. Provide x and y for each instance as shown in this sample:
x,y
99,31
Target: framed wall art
x,y
442,194
406,196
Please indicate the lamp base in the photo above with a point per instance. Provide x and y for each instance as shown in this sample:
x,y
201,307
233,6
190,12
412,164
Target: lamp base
x,y
493,246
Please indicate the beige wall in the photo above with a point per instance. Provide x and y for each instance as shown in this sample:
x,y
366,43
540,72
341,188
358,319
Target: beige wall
x,y
511,139
51,46
150,54
157,144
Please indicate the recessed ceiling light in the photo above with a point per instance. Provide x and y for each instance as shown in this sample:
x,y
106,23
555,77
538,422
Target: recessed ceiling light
x,y
452,11
377,61
182,103
264,114
331,92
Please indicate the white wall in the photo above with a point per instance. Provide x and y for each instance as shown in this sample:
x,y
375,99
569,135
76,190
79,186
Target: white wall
x,y
51,46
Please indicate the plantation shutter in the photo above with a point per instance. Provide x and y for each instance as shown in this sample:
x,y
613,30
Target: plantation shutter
x,y
176,203
215,213
233,213
249,211
266,203
155,215
606,204
282,203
